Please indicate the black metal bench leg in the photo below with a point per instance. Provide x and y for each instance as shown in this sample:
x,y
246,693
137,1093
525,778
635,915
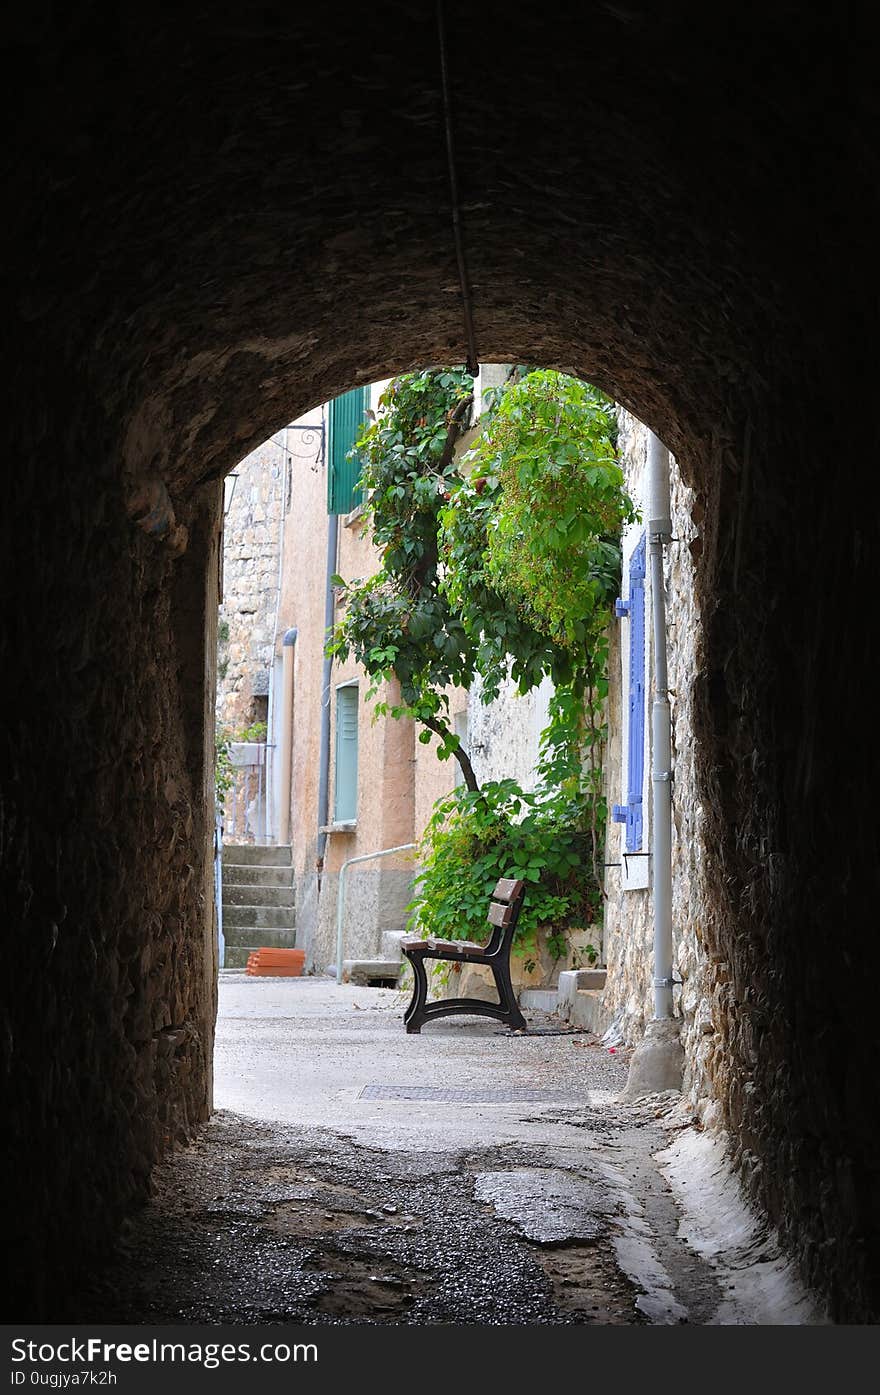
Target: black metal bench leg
x,y
415,1013
501,973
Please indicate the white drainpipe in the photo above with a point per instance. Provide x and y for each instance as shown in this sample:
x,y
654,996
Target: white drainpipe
x,y
660,533
284,737
340,898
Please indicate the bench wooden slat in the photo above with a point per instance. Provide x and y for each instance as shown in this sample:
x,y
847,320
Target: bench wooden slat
x,y
499,915
507,890
415,945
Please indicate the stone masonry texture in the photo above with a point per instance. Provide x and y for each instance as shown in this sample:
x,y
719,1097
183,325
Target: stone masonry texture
x,y
216,220
251,544
628,1000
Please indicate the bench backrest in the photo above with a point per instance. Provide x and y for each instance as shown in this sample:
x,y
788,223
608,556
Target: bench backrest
x,y
504,909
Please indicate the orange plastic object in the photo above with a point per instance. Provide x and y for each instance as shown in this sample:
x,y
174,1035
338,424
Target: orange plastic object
x,y
276,963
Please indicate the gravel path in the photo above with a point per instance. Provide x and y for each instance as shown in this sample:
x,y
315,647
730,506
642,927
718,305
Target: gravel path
x,y
357,1174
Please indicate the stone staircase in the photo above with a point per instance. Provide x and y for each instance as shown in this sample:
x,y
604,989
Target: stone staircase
x,y
382,972
258,900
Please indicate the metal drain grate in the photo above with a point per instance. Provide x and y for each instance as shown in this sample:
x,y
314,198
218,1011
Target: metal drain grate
x,y
514,1095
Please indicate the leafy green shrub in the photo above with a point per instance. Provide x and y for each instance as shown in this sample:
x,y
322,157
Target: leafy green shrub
x,y
546,838
541,505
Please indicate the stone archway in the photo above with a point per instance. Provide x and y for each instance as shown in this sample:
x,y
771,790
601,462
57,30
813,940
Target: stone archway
x,y
217,222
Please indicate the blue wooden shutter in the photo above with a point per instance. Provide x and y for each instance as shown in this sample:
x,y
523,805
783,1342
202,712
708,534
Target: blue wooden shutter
x,y
631,812
345,801
346,420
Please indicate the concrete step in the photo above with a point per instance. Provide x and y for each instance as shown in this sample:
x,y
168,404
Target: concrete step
x,y
257,855
586,1010
573,981
237,874
539,999
244,936
390,946
260,917
236,956
366,972
246,894
591,978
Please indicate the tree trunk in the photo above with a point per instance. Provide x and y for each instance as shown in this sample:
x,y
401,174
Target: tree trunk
x,y
460,753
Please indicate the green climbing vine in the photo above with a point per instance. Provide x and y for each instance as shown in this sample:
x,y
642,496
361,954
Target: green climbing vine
x,y
499,562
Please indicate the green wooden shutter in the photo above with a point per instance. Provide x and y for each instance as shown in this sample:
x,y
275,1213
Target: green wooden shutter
x,y
345,801
346,419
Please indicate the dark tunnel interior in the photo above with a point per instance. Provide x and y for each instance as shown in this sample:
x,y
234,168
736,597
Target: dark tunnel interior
x,y
219,218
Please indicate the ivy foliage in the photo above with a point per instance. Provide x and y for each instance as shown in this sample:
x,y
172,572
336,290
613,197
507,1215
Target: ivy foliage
x,y
545,487
543,837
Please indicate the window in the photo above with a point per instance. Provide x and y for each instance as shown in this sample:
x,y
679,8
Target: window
x,y
345,791
631,813
346,419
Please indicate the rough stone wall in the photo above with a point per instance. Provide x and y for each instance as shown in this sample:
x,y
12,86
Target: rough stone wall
x,y
251,545
104,832
628,997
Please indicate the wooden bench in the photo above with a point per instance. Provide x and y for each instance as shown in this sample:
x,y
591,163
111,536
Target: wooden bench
x,y
504,909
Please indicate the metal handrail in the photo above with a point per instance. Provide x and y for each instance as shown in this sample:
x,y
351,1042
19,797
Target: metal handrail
x,y
218,888
340,896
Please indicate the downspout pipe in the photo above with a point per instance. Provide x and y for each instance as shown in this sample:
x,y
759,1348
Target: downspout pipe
x,y
659,534
273,800
326,673
285,735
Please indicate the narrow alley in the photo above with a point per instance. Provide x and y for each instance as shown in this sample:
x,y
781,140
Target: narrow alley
x,y
467,1175
440,363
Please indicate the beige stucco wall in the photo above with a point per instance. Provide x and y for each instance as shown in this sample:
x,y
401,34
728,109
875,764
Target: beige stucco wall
x,y
377,892
302,607
434,778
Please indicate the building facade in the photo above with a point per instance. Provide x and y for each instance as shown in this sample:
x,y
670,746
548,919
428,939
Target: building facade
x,y
359,786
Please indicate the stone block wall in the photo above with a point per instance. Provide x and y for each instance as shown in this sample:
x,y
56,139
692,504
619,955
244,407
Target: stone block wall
x,y
251,548
628,997
107,1020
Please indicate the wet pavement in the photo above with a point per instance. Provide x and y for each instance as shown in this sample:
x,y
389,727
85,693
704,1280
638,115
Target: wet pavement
x,y
357,1174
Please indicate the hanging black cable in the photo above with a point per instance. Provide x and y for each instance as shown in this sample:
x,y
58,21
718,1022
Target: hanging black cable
x,y
473,366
